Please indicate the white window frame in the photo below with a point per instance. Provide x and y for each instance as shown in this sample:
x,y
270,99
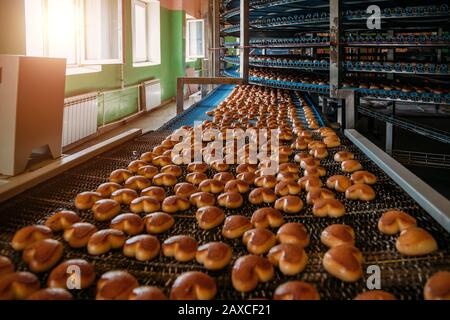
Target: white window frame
x,y
153,32
189,21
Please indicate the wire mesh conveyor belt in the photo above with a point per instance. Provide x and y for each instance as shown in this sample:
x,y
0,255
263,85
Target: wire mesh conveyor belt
x,y
400,275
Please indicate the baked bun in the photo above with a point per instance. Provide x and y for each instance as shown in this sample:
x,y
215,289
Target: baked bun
x,y
148,172
29,235
202,199
267,218
6,266
158,222
173,170
185,190
42,255
339,183
438,286
86,200
262,195
415,242
211,186
116,285
145,204
319,153
336,235
296,290
361,192
375,295
128,223
196,178
18,285
162,161
224,177
174,204
62,220
142,248
293,233
104,241
137,183
316,171
51,294
193,286
199,167
309,162
209,217
219,166
79,234
124,196
214,255
105,210
107,189
147,294
250,270
164,179
266,182
244,167
230,200
342,156
393,222
155,192
259,241
235,226
248,177
66,274
351,166
332,141
135,165
289,258
182,248
120,176
289,204
344,262
364,177
285,188
239,186
329,208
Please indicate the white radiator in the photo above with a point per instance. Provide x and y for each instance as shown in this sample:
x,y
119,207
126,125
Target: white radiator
x,y
80,118
152,92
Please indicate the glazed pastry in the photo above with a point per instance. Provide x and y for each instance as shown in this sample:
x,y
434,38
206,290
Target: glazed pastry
x,y
438,286
209,217
286,188
51,294
289,258
42,255
6,266
296,290
104,241
415,242
196,178
230,200
375,295
116,285
239,186
364,177
293,233
155,192
120,176
135,165
289,204
344,262
29,235
329,208
173,170
148,172
79,234
214,255
339,183
164,179
211,186
142,248
86,200
182,248
137,183
193,286
175,204
158,222
147,294
310,182
66,274
262,195
185,190
393,222
129,223
250,270
337,234
105,210
235,226
145,204
351,166
267,217
360,192
202,199
199,167
124,196
259,241
18,285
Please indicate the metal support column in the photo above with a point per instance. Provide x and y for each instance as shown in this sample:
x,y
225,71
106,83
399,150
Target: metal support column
x,y
336,48
216,38
347,114
389,138
245,40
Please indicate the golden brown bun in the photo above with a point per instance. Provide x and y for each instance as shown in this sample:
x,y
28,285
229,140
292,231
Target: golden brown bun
x,y
120,176
29,235
211,186
248,177
155,192
415,242
197,167
196,178
317,194
337,234
66,274
193,286
351,166
142,247
116,285
309,162
219,166
214,255
165,179
316,145
242,168
209,217
239,186
174,204
128,223
262,195
6,266
185,190
344,262
86,200
319,153
259,241
79,234
105,210
51,294
310,182
315,171
339,183
438,287
393,222
249,270
162,161
364,177
296,290
329,208
287,177
235,226
267,217
62,220
42,255
332,141
147,294
104,241
182,248
361,192
173,170
289,204
148,172
293,233
230,200
107,189
266,182
375,295
289,258
135,165
158,222
224,177
18,286
202,199
124,196
145,204
148,157
137,183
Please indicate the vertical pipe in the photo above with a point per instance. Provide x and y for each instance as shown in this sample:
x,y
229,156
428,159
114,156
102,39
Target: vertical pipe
x,y
180,96
216,38
336,48
245,40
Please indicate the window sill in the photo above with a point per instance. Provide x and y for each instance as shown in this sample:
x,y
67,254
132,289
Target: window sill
x,y
145,64
72,71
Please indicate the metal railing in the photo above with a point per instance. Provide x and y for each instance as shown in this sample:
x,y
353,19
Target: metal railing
x,y
441,161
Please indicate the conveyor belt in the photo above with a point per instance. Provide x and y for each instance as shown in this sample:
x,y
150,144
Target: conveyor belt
x,y
402,276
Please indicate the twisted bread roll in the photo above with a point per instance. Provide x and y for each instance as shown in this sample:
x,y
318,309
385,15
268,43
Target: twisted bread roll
x,y
147,294
184,190
296,290
342,156
289,258
438,286
344,262
86,200
104,241
262,195
182,248
242,168
145,204
351,166
267,217
158,222
193,286
239,186
105,210
51,294
66,274
214,255
129,223
230,200
142,248
289,204
316,171
285,188
175,204
259,241
43,255
337,234
79,234
162,161
173,170
199,167
248,177
319,153
107,189
329,208
62,220
155,192
116,285
339,183
211,186
124,196
209,217
375,295
135,165
393,222
235,226
196,178
6,266
120,176
148,172
293,233
415,242
249,270
164,179
202,199
29,235
364,177
266,182
18,286
360,192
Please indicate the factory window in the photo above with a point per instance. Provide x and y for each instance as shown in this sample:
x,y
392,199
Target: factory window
x,y
146,33
88,33
195,39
